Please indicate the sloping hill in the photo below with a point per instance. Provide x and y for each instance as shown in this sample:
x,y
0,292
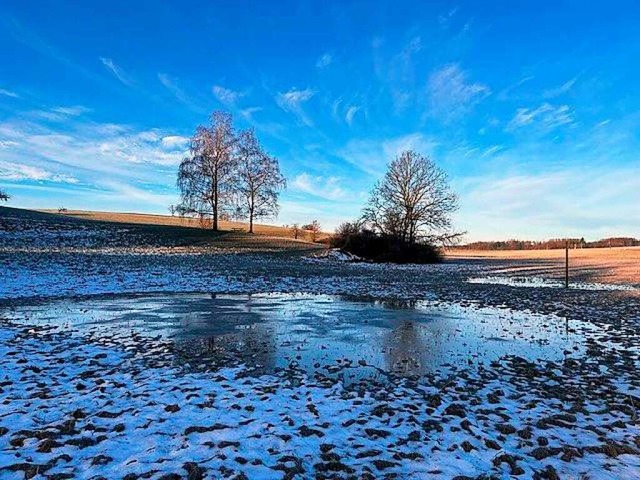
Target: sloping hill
x,y
24,229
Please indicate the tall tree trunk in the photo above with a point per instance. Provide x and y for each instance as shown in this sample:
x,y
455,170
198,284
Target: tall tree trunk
x,y
251,207
215,200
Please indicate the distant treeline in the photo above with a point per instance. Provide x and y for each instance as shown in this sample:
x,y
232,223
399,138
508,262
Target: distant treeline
x,y
553,243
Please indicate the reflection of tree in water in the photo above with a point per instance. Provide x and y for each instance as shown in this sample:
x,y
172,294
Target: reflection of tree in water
x,y
397,304
253,346
412,347
401,347
390,303
249,339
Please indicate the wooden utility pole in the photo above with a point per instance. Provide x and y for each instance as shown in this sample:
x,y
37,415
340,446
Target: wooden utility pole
x,y
566,264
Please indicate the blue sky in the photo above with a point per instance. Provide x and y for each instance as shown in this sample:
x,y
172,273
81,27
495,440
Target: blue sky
x,y
533,111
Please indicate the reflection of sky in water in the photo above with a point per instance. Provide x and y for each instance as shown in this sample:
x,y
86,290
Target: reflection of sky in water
x,y
271,331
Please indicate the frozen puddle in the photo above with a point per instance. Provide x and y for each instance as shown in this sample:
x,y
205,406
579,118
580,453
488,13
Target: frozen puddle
x,y
536,282
271,331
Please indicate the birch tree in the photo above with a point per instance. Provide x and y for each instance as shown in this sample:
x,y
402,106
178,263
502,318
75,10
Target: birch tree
x,y
206,175
258,181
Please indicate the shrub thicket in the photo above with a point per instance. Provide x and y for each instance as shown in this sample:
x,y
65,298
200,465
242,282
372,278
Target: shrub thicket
x,y
354,239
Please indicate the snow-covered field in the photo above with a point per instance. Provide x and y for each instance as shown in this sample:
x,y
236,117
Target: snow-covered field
x,y
103,403
538,282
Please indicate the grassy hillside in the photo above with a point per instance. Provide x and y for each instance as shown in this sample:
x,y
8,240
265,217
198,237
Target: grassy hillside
x,y
83,229
176,221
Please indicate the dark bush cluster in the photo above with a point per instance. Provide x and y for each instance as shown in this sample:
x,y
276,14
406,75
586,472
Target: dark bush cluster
x,y
357,240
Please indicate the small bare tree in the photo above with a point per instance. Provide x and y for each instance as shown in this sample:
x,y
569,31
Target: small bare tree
x,y
296,230
205,176
258,180
314,228
4,196
413,202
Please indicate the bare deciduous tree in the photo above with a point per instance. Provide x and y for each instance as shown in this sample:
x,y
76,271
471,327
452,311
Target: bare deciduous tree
x,y
314,228
413,202
205,176
258,180
4,196
296,230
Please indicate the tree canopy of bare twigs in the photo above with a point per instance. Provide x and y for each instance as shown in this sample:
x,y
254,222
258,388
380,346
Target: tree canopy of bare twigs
x,y
4,196
227,174
296,230
258,180
314,228
206,175
413,202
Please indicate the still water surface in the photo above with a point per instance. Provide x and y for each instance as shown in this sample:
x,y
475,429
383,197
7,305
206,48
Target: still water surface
x,y
270,331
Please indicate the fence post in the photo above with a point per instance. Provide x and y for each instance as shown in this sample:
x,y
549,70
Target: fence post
x,y
566,264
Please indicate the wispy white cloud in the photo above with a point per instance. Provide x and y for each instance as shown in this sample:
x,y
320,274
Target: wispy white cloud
x,y
8,93
175,141
583,184
328,188
451,94
398,73
247,113
490,151
72,111
113,165
561,90
293,100
90,151
18,172
31,39
335,108
593,202
158,201
546,116
507,93
58,114
372,155
173,86
345,111
324,61
226,96
445,18
351,111
117,71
